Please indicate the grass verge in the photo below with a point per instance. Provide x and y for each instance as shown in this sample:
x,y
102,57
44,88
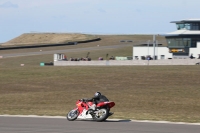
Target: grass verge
x,y
168,93
141,92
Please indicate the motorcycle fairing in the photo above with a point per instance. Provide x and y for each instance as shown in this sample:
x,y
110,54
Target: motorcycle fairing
x,y
110,104
83,115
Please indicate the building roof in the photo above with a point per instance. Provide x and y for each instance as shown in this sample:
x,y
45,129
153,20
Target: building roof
x,y
183,32
186,20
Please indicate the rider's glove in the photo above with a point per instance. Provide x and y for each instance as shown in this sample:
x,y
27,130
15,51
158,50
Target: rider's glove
x,y
84,100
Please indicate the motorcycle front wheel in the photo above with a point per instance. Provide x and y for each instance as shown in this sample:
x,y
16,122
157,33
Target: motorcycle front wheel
x,y
101,115
72,115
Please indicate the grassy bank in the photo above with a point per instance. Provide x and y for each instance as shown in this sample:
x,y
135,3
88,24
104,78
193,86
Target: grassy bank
x,y
140,92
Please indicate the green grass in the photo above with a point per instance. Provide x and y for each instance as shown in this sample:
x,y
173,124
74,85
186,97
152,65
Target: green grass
x,y
168,93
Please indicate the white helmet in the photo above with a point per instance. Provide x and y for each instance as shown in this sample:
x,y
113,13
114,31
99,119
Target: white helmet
x,y
97,94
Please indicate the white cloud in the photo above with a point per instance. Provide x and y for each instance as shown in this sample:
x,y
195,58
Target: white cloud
x,y
41,3
8,5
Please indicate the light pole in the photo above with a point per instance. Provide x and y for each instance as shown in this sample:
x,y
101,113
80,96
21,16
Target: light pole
x,y
148,47
157,49
154,43
148,57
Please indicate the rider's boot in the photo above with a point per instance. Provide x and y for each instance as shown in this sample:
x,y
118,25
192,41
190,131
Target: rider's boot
x,y
92,108
110,113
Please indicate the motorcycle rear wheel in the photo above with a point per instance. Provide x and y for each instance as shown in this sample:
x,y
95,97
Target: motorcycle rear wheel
x,y
72,115
101,115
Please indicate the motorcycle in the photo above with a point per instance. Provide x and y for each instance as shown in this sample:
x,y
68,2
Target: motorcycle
x,y
83,111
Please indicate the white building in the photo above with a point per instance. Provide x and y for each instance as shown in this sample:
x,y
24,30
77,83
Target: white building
x,y
140,53
182,43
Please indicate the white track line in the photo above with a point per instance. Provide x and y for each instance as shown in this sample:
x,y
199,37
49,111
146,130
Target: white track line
x,y
142,121
34,116
165,122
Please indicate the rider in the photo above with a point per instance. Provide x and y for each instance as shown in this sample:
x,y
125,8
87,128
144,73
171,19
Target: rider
x,y
98,97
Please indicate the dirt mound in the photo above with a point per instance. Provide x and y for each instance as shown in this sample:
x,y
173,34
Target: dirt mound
x,y
48,38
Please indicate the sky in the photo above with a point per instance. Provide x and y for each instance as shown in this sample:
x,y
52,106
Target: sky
x,y
93,16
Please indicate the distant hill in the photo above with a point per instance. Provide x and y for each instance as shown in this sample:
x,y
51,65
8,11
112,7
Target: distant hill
x,y
49,38
30,40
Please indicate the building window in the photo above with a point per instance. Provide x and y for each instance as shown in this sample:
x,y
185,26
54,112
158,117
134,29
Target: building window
x,y
171,42
179,42
195,26
194,42
162,57
188,26
183,26
186,42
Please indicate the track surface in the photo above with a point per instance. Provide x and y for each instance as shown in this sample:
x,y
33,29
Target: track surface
x,y
60,125
62,51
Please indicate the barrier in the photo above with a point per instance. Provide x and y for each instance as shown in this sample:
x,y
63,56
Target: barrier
x,y
128,62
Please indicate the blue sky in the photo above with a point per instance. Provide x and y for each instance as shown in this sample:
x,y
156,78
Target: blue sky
x,y
93,16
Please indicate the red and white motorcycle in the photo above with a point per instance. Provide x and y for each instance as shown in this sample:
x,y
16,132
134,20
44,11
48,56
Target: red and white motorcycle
x,y
83,111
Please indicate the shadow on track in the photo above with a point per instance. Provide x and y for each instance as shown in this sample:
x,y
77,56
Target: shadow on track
x,y
109,120
118,120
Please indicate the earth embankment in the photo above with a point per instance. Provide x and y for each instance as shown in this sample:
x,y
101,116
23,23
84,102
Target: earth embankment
x,y
38,39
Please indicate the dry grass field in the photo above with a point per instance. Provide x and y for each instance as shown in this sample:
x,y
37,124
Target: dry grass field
x,y
47,38
169,93
56,38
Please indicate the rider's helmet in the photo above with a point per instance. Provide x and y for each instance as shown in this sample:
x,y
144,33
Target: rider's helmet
x,y
97,94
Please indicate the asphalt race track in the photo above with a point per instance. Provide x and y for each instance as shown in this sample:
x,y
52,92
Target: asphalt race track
x,y
62,51
60,125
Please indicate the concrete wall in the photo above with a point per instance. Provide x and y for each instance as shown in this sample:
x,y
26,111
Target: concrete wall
x,y
195,51
128,62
